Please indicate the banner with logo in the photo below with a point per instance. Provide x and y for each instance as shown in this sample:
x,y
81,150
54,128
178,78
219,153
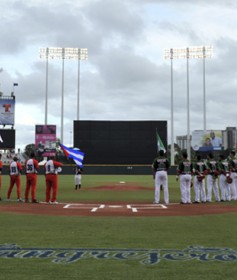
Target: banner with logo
x,y
7,111
45,140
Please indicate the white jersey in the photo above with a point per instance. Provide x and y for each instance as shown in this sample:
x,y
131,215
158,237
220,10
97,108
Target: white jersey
x,y
50,168
14,168
30,167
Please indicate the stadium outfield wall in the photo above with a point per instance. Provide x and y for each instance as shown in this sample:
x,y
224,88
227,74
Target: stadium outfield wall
x,y
67,169
123,170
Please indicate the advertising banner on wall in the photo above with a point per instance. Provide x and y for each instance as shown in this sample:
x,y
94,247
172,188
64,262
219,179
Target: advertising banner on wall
x,y
7,111
45,140
210,140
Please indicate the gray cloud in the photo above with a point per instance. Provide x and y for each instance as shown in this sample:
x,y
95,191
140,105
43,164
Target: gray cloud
x,y
125,76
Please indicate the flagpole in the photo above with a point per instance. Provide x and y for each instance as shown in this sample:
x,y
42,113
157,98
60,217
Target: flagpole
x,y
157,148
13,88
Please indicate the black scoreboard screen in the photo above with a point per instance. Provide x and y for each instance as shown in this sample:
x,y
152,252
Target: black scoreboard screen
x,y
119,142
7,138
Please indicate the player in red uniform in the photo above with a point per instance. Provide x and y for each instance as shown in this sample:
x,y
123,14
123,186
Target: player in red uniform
x,y
15,169
0,175
51,178
32,168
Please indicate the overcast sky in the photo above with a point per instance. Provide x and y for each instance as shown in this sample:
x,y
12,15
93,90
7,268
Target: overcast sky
x,y
126,76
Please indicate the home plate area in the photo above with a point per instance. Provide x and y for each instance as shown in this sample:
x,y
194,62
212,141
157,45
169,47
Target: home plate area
x,y
116,208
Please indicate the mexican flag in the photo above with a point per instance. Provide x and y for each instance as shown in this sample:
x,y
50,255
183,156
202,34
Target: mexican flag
x,y
160,145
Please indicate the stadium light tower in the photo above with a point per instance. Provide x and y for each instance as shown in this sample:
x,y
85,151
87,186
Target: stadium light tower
x,y
187,53
207,52
169,54
44,54
62,53
77,54
1,70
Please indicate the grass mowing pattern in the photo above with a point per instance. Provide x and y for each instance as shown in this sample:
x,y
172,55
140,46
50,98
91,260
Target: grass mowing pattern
x,y
114,232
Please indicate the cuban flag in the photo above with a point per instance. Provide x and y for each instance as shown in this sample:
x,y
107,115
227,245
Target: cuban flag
x,y
74,154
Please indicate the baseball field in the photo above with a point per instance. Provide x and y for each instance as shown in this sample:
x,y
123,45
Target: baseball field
x,y
110,229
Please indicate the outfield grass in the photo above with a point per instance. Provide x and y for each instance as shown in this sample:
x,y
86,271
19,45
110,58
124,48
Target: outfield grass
x,y
66,190
29,231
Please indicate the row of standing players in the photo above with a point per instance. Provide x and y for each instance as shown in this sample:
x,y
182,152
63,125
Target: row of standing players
x,y
210,176
51,169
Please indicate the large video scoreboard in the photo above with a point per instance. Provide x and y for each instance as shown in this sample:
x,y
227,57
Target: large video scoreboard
x,y
119,142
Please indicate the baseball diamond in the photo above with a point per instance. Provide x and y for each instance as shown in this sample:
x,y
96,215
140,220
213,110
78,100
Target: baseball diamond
x,y
130,208
117,209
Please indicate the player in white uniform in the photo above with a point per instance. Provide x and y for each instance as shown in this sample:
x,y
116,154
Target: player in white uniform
x,y
160,167
212,178
233,174
184,173
225,173
77,177
199,180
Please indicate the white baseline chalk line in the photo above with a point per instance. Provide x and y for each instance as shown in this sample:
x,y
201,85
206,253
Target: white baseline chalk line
x,y
134,208
96,208
78,206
